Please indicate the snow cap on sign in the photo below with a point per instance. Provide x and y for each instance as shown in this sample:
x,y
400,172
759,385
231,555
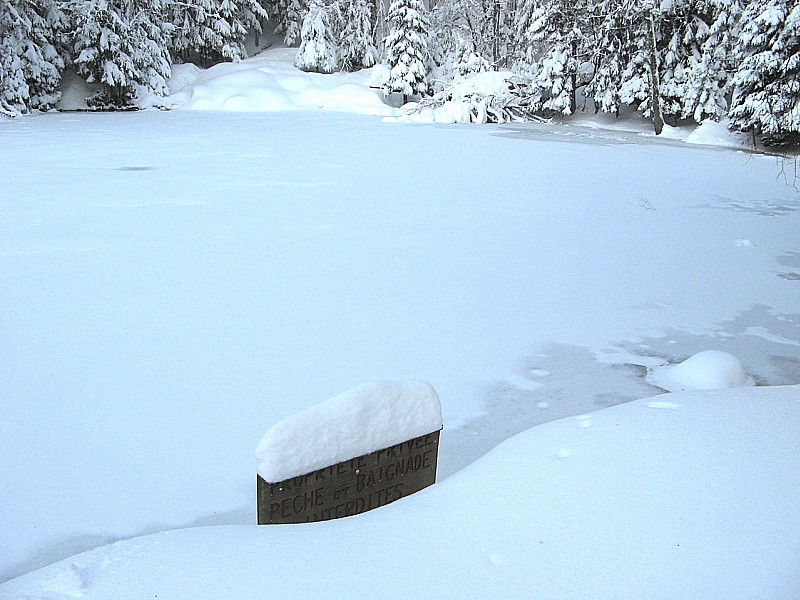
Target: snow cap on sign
x,y
364,419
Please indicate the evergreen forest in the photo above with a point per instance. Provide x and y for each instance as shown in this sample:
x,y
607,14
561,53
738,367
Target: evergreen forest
x,y
676,61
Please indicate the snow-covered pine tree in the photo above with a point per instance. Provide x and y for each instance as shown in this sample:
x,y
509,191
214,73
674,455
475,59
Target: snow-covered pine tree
x,y
697,48
183,18
637,76
229,31
407,48
30,65
123,46
254,13
101,50
627,59
287,15
709,75
556,77
766,85
552,45
318,51
611,52
212,29
296,11
151,33
356,48
683,31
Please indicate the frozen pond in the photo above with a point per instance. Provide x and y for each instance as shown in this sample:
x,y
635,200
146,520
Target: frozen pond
x,y
175,283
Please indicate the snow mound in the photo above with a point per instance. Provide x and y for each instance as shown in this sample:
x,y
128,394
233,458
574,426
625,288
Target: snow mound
x,y
712,133
270,83
707,370
356,422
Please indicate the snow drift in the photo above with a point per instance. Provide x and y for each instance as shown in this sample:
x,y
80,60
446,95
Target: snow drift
x,y
684,496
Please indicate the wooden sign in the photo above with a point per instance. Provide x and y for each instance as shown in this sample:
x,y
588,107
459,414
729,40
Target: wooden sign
x,y
353,486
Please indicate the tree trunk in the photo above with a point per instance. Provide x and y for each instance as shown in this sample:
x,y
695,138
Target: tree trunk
x,y
496,34
655,80
573,101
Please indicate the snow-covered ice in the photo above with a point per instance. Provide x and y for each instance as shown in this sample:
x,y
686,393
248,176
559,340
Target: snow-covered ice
x,y
361,420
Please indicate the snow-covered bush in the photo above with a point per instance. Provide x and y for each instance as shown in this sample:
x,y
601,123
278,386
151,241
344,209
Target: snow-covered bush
x,y
487,97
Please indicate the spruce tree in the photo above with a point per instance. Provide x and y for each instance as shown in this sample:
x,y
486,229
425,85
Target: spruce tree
x,y
356,48
766,85
287,16
455,41
318,51
293,20
123,46
30,64
611,54
212,29
407,48
642,68
101,51
684,29
709,76
552,44
230,31
628,61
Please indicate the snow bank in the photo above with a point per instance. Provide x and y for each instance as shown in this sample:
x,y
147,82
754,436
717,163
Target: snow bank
x,y
359,421
707,370
711,133
269,83
677,497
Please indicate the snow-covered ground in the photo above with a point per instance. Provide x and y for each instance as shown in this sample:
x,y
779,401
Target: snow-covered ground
x,y
686,498
175,283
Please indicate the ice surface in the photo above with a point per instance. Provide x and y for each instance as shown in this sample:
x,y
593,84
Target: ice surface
x,y
364,419
706,370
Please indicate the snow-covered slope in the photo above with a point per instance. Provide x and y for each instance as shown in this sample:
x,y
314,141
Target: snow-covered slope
x,y
678,497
